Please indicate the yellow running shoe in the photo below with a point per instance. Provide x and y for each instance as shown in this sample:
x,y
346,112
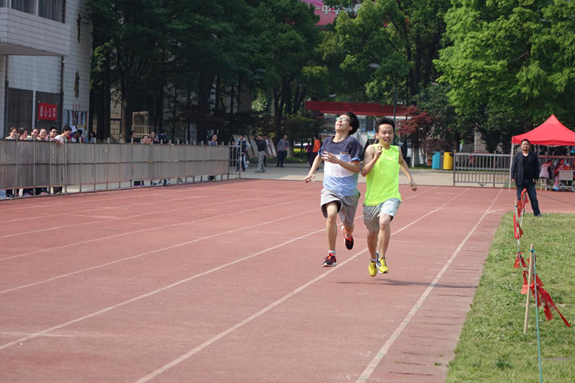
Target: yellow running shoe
x,y
382,266
372,269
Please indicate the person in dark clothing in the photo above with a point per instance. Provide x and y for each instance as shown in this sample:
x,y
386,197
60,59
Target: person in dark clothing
x,y
525,173
261,143
243,148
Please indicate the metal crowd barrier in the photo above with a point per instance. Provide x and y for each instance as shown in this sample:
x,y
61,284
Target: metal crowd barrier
x,y
76,167
481,168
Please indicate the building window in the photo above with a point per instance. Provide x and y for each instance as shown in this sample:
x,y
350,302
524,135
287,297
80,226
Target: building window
x,y
50,9
23,5
20,108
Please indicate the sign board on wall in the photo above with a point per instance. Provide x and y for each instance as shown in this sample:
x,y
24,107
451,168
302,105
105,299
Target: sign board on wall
x,y
47,112
326,13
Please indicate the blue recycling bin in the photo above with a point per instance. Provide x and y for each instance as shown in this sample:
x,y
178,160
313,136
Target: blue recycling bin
x,y
436,161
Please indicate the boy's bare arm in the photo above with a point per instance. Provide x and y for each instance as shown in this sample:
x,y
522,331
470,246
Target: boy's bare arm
x,y
405,170
311,175
371,157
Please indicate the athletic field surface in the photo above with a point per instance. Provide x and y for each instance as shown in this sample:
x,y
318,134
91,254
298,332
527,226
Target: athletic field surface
x,y
223,282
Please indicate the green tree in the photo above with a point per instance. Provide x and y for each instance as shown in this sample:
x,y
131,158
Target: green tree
x,y
510,65
287,37
401,37
132,35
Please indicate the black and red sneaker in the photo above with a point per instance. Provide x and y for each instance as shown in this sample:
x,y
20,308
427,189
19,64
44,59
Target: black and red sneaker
x,y
330,260
348,240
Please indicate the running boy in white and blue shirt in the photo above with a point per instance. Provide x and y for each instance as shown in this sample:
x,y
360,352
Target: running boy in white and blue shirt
x,y
339,194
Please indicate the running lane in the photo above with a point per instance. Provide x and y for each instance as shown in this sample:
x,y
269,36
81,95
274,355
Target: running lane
x,y
223,296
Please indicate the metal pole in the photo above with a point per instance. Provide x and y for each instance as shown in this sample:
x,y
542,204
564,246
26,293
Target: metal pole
x,y
66,167
34,168
95,167
394,107
511,163
16,189
50,167
493,165
120,168
132,166
108,165
454,164
80,172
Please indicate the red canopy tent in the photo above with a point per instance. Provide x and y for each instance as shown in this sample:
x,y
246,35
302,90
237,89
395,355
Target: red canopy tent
x,y
550,133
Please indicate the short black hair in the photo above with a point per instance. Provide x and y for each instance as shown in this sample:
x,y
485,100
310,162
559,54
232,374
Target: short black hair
x,y
353,121
525,139
67,129
385,121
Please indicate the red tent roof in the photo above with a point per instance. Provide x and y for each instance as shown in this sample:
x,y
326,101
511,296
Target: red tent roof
x,y
361,109
550,133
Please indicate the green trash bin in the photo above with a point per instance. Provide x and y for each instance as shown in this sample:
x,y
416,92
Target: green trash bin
x,y
448,161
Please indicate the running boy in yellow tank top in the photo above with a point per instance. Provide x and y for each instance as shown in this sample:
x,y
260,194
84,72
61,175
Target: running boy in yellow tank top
x,y
381,166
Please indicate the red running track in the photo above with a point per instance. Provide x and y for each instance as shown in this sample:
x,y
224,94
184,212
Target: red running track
x,y
223,282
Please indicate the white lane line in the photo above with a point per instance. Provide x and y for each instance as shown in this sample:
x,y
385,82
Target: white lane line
x,y
139,193
150,203
165,248
276,303
106,220
157,227
11,334
385,348
105,310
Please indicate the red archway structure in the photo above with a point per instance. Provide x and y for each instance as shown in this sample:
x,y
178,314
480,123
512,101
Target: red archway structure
x,y
361,109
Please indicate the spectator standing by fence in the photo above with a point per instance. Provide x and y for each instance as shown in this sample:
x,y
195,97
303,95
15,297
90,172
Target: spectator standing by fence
x,y
268,151
23,134
315,149
525,173
213,142
10,193
65,136
260,142
13,134
243,148
53,133
283,146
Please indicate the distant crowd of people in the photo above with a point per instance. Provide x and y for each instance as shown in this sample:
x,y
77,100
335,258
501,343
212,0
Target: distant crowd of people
x,y
51,134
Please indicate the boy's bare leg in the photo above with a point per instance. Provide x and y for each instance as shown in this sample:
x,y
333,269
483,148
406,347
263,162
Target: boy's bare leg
x,y
372,243
348,231
384,234
331,225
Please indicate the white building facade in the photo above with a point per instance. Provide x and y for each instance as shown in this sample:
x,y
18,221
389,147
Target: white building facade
x,y
45,56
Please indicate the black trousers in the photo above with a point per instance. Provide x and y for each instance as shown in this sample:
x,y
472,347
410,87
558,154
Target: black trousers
x,y
529,185
282,154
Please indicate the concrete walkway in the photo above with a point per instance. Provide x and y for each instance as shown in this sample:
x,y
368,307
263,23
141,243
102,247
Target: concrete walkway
x,y
297,172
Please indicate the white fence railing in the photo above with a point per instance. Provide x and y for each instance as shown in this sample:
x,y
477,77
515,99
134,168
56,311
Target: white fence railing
x,y
48,165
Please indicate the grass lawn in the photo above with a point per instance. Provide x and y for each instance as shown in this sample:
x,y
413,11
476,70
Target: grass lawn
x,y
492,346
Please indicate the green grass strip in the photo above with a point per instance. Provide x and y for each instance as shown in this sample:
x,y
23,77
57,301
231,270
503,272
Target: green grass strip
x,y
492,346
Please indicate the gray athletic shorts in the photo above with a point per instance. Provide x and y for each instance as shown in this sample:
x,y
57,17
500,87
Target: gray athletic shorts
x,y
371,213
346,205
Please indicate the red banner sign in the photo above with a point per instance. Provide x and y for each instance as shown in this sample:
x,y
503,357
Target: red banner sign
x,y
47,112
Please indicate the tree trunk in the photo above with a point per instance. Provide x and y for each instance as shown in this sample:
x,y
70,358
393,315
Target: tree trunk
x,y
159,122
127,110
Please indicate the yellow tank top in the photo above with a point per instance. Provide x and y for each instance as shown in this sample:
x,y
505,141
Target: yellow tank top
x,y
383,180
